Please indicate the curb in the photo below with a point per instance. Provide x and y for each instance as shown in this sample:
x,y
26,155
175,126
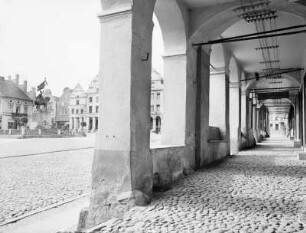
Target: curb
x,y
42,153
42,210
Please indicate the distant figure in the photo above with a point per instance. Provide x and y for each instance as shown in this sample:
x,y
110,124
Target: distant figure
x,y
42,85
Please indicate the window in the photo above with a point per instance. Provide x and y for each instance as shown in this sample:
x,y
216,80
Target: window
x,y
158,107
82,111
158,96
97,109
17,109
25,109
152,108
77,111
90,109
90,99
77,102
97,99
152,96
72,111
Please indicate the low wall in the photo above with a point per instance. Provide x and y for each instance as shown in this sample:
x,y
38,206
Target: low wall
x,y
247,141
168,165
218,150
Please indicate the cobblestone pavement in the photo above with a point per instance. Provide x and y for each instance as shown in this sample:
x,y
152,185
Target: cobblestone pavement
x,y
246,193
33,182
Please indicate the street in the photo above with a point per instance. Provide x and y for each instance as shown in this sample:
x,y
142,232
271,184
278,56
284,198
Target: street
x,y
31,183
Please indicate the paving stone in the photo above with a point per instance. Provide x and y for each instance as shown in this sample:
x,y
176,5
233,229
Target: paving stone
x,y
33,182
257,191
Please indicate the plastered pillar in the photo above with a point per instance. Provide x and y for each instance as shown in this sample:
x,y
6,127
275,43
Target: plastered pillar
x,y
154,124
254,120
87,123
122,174
202,108
71,123
173,132
235,114
244,113
297,139
257,123
93,124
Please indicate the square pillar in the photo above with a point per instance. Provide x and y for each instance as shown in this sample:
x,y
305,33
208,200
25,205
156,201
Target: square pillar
x,y
297,139
174,100
219,102
122,174
244,113
235,114
202,155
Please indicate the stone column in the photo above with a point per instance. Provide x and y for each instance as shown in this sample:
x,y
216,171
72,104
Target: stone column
x,y
297,139
254,119
235,116
71,123
202,109
154,124
258,123
174,99
122,174
93,124
87,123
244,113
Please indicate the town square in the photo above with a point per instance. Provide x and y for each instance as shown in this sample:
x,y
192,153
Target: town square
x,y
153,116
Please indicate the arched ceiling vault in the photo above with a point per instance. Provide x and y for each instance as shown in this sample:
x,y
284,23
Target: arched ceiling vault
x,y
215,19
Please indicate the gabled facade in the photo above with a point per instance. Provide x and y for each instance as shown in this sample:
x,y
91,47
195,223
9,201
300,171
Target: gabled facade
x,y
62,109
15,106
92,95
77,108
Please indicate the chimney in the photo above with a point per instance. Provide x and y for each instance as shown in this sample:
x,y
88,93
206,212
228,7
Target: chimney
x,y
33,93
17,79
25,86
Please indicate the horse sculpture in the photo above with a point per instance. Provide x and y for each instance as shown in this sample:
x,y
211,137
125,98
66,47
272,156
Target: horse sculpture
x,y
40,99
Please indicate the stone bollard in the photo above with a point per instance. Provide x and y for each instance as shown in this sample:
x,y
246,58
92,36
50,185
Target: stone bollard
x,y
82,220
10,131
59,132
39,132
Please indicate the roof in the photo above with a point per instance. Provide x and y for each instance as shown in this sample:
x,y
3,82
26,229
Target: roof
x,y
10,90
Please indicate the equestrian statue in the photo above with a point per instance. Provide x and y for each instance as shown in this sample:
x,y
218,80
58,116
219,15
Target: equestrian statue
x,y
40,99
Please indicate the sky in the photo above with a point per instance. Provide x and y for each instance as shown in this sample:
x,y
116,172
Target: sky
x,y
56,39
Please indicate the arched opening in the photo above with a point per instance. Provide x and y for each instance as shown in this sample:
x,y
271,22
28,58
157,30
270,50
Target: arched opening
x,y
172,29
217,93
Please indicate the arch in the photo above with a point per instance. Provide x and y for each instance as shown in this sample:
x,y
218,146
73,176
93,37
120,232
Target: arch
x,y
171,18
233,70
211,22
172,23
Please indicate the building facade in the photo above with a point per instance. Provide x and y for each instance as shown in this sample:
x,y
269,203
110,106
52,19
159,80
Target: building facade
x,y
157,98
92,95
77,109
15,105
62,109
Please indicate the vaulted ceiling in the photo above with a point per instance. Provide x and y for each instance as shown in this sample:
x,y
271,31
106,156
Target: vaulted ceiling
x,y
253,59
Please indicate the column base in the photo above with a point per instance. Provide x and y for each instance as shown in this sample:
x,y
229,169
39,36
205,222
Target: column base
x,y
297,143
302,156
94,215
